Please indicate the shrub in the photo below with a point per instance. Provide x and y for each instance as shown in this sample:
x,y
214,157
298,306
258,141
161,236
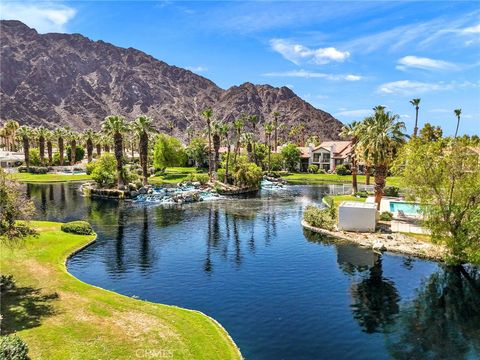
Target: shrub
x,y
312,169
321,218
79,153
201,178
391,191
168,151
13,348
276,162
246,174
361,194
342,170
90,167
321,171
104,171
291,156
386,216
33,169
77,227
7,282
34,157
221,175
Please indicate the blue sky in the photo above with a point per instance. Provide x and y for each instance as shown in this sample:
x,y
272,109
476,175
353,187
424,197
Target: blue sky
x,y
342,57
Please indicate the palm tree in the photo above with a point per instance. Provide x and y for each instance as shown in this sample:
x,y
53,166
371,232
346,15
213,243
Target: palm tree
x,y
238,125
457,113
60,133
49,139
106,141
216,139
73,137
41,134
276,115
143,127
416,103
89,136
351,131
115,126
248,139
11,127
207,114
253,119
225,131
381,137
26,133
269,127
97,141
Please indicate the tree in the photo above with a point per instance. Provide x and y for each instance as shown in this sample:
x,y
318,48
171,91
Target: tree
x,y
197,151
89,136
114,126
60,133
41,132
253,119
226,134
72,139
14,205
143,127
269,127
416,103
430,133
444,176
276,115
104,171
49,139
207,114
11,127
238,125
457,113
246,174
26,133
217,132
381,137
168,151
291,156
351,131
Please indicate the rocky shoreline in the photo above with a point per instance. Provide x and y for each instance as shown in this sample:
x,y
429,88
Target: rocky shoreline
x,y
394,242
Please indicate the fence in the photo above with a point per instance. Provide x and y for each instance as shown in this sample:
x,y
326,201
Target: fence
x,y
344,189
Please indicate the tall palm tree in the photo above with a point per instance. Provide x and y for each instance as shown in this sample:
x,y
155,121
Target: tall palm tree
x,y
457,113
89,136
225,131
143,127
73,137
238,125
49,140
269,127
26,133
106,142
381,141
60,134
97,141
115,127
253,119
207,114
416,103
248,139
216,139
11,127
351,131
41,134
276,115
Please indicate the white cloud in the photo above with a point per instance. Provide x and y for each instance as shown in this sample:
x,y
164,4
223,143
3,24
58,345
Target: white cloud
x,y
44,17
354,113
405,116
197,69
411,88
298,53
424,63
472,29
313,74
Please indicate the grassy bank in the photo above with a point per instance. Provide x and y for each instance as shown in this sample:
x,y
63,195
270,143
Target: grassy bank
x,y
173,175
337,199
47,178
304,178
61,317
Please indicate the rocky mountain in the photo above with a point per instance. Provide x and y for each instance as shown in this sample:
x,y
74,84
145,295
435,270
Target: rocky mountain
x,y
68,79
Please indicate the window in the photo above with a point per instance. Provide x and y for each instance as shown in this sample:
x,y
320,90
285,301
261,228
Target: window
x,y
325,157
316,158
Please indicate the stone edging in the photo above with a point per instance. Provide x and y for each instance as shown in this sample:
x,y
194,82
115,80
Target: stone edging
x,y
395,242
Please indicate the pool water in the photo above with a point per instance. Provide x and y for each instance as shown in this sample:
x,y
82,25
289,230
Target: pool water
x,y
406,207
282,292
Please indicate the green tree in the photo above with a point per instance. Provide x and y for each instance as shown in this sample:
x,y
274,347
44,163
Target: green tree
x,y
207,114
11,127
89,136
445,177
143,127
168,151
416,103
276,115
41,133
25,132
217,132
60,134
246,174
73,138
381,137
197,151
430,133
253,119
104,171
269,127
238,125
291,156
114,126
457,113
351,131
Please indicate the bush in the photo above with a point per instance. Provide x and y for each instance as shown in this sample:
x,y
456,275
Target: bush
x,y
105,170
77,227
321,218
276,162
221,175
33,169
13,348
201,178
321,171
391,191
7,282
79,154
312,169
246,174
34,157
291,156
361,194
90,167
342,170
386,216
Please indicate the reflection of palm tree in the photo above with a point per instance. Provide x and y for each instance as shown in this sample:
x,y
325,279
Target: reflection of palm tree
x,y
375,301
443,319
144,242
119,248
236,235
207,267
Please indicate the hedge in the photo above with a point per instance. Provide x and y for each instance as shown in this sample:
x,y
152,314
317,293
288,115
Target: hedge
x,y
77,227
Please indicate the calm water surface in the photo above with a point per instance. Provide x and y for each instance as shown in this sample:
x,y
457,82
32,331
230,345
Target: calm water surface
x,y
281,292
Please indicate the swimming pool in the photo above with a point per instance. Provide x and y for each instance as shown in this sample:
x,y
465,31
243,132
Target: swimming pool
x,y
406,207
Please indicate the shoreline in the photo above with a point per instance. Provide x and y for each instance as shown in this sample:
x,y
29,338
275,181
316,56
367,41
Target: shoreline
x,y
395,242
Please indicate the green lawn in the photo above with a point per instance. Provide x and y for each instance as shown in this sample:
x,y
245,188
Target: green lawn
x,y
61,317
337,199
173,175
304,178
46,178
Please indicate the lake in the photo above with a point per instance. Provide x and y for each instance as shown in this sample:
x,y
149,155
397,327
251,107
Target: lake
x,y
282,292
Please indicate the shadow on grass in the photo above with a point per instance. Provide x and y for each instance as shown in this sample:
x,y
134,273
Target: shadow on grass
x,y
24,307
